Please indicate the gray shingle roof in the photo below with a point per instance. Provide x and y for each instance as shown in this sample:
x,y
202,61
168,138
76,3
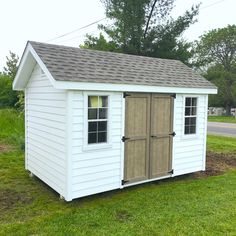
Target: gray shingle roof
x,y
84,65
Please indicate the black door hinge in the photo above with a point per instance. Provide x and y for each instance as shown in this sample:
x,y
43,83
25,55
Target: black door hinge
x,y
124,181
173,134
173,95
171,172
124,139
126,95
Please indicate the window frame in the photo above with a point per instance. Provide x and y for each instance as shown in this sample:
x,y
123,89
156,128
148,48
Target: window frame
x,y
93,146
196,134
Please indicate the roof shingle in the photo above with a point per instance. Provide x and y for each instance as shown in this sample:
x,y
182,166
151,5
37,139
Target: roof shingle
x,y
84,65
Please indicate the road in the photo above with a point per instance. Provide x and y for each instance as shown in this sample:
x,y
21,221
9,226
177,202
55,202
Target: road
x,y
219,128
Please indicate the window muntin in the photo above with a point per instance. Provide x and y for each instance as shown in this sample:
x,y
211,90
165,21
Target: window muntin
x,y
190,118
97,119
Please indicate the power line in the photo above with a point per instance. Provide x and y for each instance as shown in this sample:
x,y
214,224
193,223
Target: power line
x,y
73,31
95,22
210,5
80,35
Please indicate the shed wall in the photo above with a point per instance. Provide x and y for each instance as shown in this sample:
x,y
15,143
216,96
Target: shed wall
x,y
96,170
45,122
48,112
189,150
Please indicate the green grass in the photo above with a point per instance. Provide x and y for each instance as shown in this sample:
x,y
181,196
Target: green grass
x,y
180,206
12,127
221,144
225,119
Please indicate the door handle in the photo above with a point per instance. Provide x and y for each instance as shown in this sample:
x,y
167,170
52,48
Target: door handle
x,y
153,136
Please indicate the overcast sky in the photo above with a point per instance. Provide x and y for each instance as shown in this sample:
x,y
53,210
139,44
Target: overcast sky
x,y
42,20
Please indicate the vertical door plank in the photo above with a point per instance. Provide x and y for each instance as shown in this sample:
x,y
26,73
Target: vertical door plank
x,y
137,127
161,140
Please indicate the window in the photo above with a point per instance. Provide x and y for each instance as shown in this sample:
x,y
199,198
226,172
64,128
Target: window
x,y
190,115
97,119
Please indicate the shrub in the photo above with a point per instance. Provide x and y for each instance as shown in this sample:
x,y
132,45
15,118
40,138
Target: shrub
x,y
8,97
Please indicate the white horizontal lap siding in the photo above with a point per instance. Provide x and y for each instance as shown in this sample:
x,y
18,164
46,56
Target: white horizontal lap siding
x,y
46,131
97,170
189,151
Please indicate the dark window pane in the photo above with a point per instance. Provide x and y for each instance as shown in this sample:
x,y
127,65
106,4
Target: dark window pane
x,y
102,137
92,113
102,113
190,110
193,121
187,121
193,111
92,137
187,111
187,102
102,126
192,129
92,126
186,129
194,102
93,101
103,101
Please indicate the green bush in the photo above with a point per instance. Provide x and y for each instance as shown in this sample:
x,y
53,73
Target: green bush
x,y
8,97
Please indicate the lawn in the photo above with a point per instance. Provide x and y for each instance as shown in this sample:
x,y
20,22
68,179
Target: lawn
x,y
179,206
221,144
225,119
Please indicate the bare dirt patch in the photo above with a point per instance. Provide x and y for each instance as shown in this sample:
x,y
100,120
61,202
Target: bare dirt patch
x,y
5,148
10,198
217,163
123,216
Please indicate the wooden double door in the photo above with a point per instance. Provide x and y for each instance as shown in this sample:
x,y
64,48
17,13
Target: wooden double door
x,y
148,136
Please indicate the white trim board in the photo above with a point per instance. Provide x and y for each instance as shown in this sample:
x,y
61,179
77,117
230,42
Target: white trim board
x,y
130,88
68,187
27,64
147,181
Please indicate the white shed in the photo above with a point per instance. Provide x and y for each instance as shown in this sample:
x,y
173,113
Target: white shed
x,y
97,121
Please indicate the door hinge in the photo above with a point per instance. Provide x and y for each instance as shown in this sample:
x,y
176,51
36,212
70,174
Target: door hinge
x,y
125,95
124,181
173,95
173,134
124,139
171,171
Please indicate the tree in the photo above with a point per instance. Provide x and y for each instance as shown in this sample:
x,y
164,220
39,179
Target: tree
x,y
144,27
99,43
216,51
11,65
8,97
216,75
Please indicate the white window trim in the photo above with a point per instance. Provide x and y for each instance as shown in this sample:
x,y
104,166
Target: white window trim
x,y
96,146
196,135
